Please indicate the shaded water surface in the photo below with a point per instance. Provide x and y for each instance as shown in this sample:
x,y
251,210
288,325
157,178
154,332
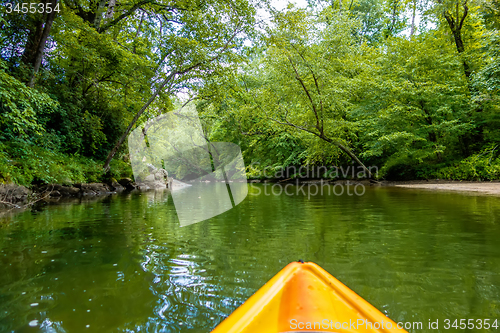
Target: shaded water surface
x,y
123,264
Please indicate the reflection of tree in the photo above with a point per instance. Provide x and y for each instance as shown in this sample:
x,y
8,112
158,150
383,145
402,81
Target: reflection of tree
x,y
401,250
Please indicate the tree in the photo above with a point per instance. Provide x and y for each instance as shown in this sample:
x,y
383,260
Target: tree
x,y
204,41
108,61
486,84
413,105
455,14
37,61
303,81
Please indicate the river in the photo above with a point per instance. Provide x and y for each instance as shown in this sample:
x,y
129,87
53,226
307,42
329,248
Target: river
x,y
123,263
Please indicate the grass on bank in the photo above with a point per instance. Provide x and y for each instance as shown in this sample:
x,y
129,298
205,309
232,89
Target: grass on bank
x,y
27,164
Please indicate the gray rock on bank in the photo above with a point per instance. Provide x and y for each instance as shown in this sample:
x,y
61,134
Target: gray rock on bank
x,y
12,195
92,189
17,196
127,183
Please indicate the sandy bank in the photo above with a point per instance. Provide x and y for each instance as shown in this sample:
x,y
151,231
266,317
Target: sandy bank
x,y
492,188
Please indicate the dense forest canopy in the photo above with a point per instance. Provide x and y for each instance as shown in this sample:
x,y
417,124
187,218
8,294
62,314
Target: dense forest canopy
x,y
411,86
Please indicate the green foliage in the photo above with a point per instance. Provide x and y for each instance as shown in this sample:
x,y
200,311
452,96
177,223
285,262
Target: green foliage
x,y
487,90
119,168
315,86
299,90
21,107
482,166
490,10
414,103
272,153
27,164
99,70
402,103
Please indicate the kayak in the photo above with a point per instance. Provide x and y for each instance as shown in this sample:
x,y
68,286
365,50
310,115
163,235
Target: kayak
x,y
303,297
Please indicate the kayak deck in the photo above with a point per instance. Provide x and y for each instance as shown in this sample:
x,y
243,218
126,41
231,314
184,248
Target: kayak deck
x,y
303,297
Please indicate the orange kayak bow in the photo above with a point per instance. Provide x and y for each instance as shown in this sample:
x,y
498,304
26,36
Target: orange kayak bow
x,y
303,297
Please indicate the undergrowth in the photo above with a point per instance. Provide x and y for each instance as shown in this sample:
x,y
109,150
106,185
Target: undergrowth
x,y
27,164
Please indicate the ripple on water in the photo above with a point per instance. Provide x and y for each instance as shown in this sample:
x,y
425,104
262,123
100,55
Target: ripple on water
x,y
126,260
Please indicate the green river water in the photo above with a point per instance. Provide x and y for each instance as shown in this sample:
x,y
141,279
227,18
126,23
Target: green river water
x,y
123,264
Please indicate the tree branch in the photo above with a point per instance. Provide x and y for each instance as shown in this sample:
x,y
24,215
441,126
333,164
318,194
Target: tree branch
x,y
167,80
307,93
124,15
317,86
466,10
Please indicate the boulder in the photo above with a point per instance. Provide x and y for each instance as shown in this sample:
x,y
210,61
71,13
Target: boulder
x,y
12,194
143,187
13,190
94,189
69,191
127,183
65,191
149,178
116,187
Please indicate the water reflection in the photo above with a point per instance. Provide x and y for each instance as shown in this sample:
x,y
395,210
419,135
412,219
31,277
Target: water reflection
x,y
124,264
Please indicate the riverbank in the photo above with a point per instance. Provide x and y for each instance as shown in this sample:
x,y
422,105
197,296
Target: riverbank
x,y
17,196
491,187
482,187
473,187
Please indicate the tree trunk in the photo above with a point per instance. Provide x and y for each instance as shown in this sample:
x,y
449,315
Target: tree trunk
x,y
132,123
170,77
456,25
43,40
98,14
31,47
460,48
413,18
111,9
351,155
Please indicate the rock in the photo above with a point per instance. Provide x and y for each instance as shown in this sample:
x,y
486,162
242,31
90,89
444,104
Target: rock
x,y
13,194
21,198
156,174
55,194
94,189
158,184
65,191
149,178
127,183
159,176
13,189
142,187
116,187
